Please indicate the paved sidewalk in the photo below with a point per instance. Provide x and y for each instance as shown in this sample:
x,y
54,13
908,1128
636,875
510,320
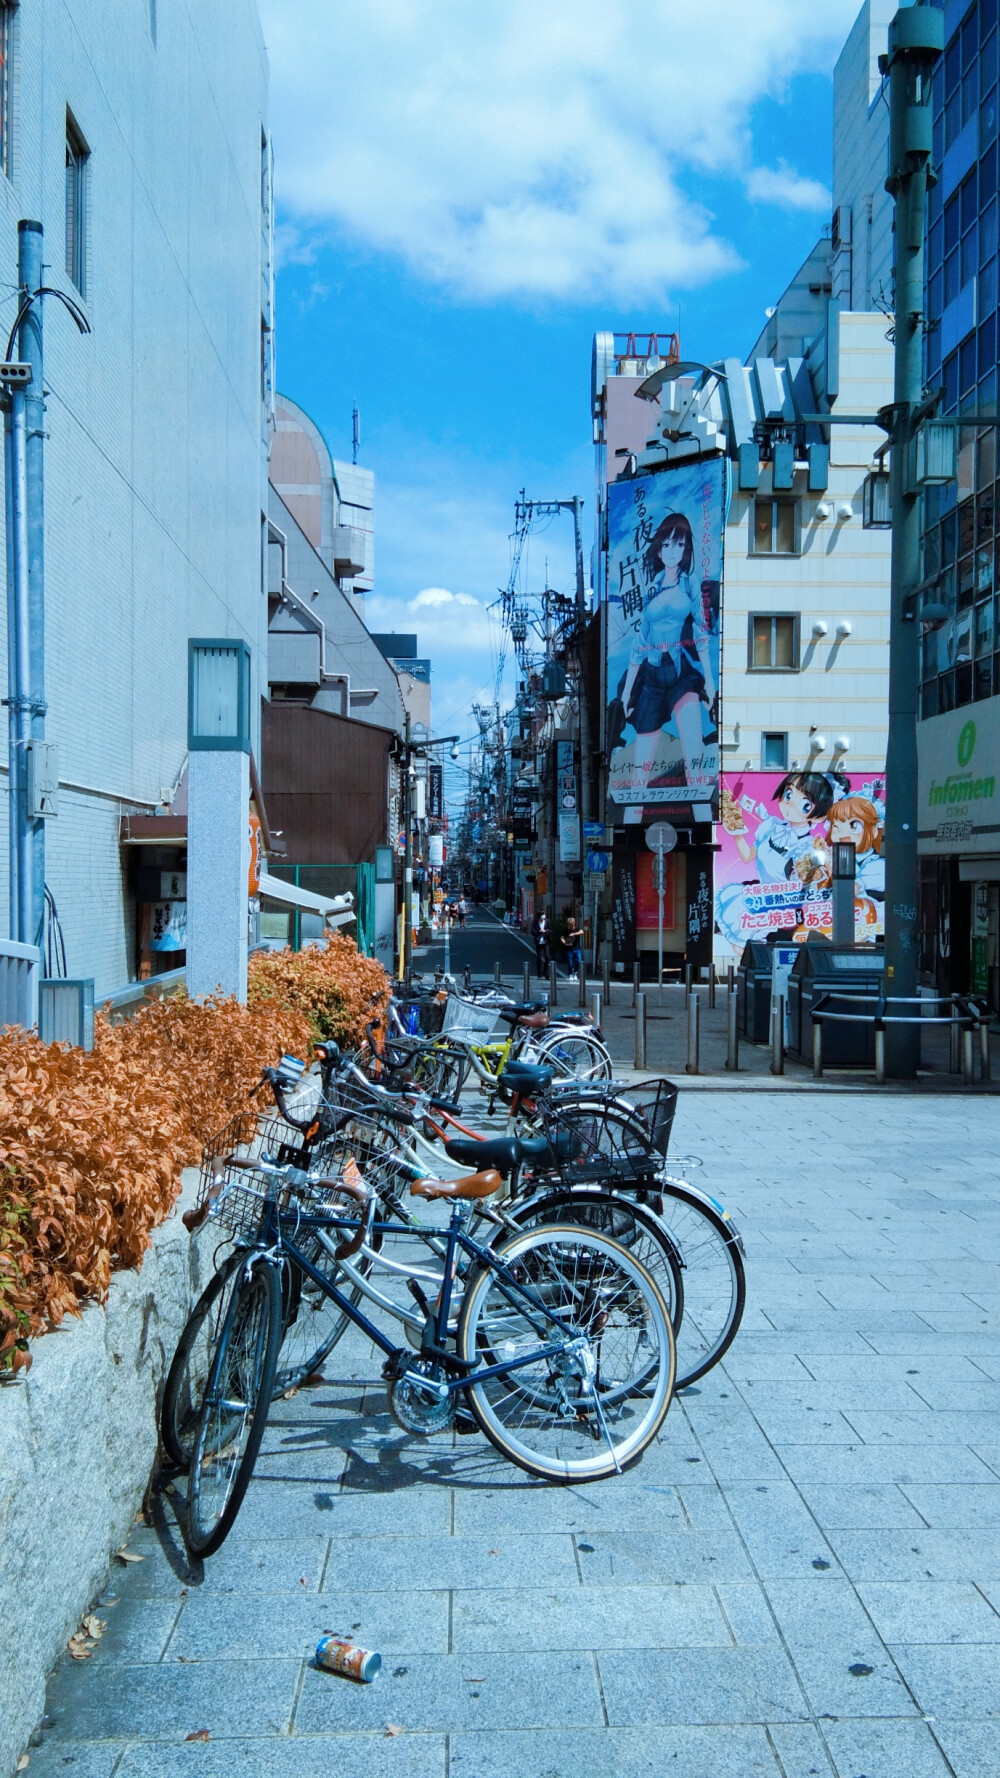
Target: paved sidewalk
x,y
801,1580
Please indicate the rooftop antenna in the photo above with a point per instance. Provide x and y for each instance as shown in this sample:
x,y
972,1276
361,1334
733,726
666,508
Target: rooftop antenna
x,y
355,433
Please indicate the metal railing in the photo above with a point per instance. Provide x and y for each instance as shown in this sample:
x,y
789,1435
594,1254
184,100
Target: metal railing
x,y
964,1018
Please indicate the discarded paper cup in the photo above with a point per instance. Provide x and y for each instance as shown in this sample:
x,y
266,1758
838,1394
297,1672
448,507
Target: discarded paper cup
x,y
339,1656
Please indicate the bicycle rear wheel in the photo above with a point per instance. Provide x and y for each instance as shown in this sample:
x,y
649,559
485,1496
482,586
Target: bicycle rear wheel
x,y
635,1227
573,1055
715,1286
599,1388
234,1411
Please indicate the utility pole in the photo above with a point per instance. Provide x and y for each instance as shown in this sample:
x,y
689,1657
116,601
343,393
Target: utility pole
x,y
916,40
404,946
586,759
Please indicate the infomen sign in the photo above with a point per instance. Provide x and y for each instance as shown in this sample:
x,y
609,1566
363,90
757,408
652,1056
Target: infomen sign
x,y
665,536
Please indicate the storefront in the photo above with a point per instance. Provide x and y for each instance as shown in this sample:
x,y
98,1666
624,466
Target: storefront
x,y
959,843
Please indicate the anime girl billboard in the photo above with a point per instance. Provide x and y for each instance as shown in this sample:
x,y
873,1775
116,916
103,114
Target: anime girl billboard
x,y
773,868
664,576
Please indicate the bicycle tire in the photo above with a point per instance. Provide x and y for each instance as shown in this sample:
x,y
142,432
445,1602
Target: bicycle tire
x,y
635,1226
715,1286
573,1055
183,1391
234,1412
602,1291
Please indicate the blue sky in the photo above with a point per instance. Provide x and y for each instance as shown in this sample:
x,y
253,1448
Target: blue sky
x,y
466,194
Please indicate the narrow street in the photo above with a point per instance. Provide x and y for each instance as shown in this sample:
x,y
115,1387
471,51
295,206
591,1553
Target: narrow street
x,y
801,1579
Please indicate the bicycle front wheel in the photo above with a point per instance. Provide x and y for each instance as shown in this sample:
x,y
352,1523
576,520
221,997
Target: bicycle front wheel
x,y
715,1287
573,1055
594,1331
235,1408
187,1378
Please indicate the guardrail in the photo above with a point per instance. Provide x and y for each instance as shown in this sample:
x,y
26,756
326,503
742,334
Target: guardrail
x,y
126,1001
965,1017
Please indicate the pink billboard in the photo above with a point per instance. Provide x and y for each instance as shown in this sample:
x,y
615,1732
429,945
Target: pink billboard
x,y
772,869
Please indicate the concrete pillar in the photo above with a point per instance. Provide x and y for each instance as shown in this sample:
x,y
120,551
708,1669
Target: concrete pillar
x,y
218,866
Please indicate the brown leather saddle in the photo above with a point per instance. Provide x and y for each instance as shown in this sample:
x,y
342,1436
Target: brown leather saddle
x,y
472,1185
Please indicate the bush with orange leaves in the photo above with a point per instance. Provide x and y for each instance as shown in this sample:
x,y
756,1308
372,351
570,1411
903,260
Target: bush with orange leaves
x,y
92,1146
338,990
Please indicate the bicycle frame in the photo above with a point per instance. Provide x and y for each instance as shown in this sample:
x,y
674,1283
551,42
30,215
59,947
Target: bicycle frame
x,y
274,1242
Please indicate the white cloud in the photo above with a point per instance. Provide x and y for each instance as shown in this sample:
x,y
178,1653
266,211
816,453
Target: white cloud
x,y
786,189
432,596
521,150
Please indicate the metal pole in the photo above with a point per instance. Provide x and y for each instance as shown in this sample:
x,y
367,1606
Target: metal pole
x,y
606,982
984,1046
968,1072
30,279
693,1033
496,975
711,985
13,684
526,982
732,1030
405,946
583,983
844,874
553,983
916,40
447,944
777,1032
659,914
688,977
879,1054
635,983
640,1033
586,760
731,978
595,1010
954,1042
818,1049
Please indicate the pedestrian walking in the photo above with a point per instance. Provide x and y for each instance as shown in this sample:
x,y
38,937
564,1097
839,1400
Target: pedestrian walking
x,y
542,936
572,943
461,910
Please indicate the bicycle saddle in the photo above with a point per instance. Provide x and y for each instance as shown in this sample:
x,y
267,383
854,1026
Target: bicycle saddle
x,y
473,1185
525,1077
503,1153
521,1010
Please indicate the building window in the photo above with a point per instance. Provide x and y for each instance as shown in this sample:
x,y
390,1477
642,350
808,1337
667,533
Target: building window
x,y
877,504
774,528
6,86
77,156
774,753
774,643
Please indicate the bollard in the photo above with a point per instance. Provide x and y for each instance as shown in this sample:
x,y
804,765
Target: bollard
x,y
777,1034
526,982
553,984
606,981
468,980
595,1010
968,1072
984,1047
817,1049
693,1033
879,1055
732,1030
688,978
635,984
954,1044
730,978
496,975
582,1001
640,1033
711,987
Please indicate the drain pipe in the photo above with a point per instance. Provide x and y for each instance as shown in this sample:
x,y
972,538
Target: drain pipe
x,y
15,379
29,277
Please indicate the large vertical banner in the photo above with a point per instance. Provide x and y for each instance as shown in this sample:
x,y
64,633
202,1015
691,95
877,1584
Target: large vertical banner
x,y
665,548
773,867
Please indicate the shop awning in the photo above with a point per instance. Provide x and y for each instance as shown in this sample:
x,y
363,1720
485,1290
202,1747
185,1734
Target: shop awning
x,y
336,909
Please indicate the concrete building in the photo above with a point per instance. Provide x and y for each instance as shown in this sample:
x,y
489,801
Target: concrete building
x,y
138,137
333,503
959,734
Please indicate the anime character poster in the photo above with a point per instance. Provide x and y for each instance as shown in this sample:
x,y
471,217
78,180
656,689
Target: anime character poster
x,y
665,535
773,868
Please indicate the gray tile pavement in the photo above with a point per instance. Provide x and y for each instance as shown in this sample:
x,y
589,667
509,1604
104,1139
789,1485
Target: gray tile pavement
x,y
800,1580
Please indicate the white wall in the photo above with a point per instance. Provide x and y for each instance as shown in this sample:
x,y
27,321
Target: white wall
x,y
863,271
841,573
154,461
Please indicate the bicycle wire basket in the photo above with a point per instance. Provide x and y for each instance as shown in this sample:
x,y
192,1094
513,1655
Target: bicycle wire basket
x,y
231,1192
610,1137
469,1018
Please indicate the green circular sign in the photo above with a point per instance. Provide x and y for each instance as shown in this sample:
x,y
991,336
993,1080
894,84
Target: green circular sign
x,y
966,743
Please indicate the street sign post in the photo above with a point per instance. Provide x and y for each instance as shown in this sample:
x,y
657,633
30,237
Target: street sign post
x,y
661,838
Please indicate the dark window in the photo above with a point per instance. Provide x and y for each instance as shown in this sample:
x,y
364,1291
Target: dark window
x,y
970,256
988,232
935,246
988,288
952,277
774,753
936,308
983,681
946,691
967,364
988,62
877,508
774,528
963,683
6,86
970,93
953,117
949,380
774,643
966,526
952,223
929,699
988,345
988,120
970,38
969,201
952,64
77,156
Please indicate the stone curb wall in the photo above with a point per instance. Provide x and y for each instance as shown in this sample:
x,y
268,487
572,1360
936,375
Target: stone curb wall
x,y
78,1440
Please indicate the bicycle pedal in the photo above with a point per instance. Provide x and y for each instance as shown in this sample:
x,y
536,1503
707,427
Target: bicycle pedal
x,y
464,1423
